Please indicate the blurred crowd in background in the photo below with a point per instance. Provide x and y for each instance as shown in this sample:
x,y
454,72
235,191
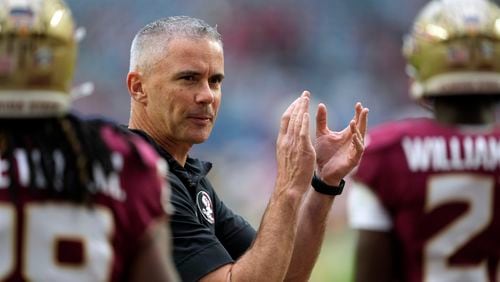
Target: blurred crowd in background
x,y
341,51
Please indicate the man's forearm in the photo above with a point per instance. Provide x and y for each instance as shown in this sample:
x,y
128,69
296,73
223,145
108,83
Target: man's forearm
x,y
269,257
311,230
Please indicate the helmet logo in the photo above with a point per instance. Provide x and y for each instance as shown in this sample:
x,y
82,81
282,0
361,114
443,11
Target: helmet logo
x,y
22,13
458,55
205,206
472,23
43,57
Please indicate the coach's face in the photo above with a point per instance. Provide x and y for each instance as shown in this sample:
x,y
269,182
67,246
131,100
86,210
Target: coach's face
x,y
184,89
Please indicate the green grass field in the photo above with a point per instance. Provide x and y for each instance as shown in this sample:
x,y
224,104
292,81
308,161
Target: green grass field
x,y
335,262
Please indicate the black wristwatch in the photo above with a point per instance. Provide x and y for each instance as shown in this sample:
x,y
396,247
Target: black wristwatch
x,y
323,188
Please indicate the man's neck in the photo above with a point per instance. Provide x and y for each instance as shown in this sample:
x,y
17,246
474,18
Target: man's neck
x,y
178,150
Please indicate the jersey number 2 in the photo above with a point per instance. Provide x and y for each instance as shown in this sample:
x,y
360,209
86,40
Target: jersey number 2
x,y
477,192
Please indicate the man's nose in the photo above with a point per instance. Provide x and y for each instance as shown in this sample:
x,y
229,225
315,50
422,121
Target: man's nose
x,y
206,94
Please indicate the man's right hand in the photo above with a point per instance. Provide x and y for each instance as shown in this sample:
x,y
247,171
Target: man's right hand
x,y
294,151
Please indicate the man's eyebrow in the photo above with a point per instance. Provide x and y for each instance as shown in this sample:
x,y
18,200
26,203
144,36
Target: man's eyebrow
x,y
218,76
187,73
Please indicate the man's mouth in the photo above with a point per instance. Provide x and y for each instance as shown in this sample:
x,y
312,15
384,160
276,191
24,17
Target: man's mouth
x,y
202,119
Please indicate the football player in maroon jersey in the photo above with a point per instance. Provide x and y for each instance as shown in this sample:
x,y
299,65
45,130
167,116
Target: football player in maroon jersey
x,y
80,200
427,195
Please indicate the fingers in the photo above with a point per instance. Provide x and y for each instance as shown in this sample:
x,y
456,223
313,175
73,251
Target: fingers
x,y
357,111
358,128
321,120
291,119
304,122
362,125
361,117
298,115
304,129
357,139
285,119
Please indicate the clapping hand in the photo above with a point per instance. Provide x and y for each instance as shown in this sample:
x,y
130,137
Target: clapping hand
x,y
337,153
294,150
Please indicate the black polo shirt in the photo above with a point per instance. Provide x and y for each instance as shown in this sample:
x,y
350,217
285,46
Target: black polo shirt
x,y
206,233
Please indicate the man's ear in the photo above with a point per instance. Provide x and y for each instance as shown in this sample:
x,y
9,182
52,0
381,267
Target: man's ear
x,y
135,87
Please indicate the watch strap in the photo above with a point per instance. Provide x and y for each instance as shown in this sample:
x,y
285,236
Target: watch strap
x,y
323,188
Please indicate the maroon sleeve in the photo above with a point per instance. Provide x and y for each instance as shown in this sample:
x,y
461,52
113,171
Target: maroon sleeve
x,y
140,180
383,164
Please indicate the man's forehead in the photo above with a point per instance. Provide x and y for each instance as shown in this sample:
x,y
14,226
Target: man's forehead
x,y
192,44
194,55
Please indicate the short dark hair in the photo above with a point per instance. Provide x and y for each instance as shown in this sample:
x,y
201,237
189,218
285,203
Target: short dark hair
x,y
155,36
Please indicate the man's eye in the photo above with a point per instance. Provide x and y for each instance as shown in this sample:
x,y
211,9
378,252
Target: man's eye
x,y
188,78
216,80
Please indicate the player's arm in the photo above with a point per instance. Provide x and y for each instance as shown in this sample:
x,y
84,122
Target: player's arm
x,y
374,257
269,256
153,261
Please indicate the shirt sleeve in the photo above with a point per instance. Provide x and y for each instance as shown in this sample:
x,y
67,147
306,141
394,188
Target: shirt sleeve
x,y
197,251
235,233
365,211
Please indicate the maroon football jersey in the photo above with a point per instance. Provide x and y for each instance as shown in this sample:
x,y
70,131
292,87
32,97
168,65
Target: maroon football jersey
x,y
48,239
441,187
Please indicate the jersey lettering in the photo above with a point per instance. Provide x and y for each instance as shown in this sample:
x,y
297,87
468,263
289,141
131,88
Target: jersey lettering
x,y
109,185
441,154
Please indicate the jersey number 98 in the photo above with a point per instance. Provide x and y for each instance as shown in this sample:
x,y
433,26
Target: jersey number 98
x,y
60,242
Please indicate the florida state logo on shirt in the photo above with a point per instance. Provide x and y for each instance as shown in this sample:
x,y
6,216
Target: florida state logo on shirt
x,y
204,204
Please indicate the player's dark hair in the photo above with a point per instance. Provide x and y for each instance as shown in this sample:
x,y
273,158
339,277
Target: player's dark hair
x,y
45,140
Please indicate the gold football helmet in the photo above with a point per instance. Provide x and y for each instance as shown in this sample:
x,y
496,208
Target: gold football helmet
x,y
454,48
37,57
